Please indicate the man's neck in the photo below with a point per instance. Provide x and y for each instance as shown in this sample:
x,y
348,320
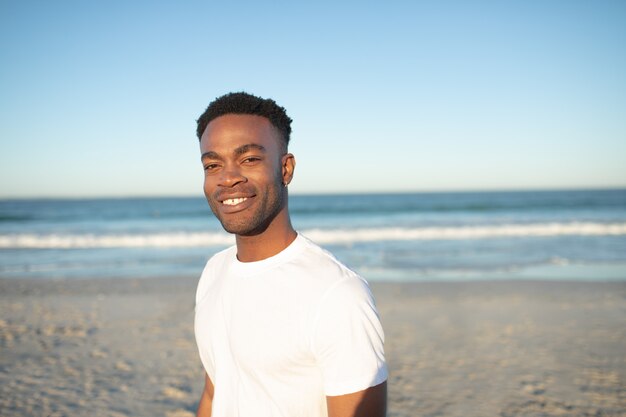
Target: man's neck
x,y
272,241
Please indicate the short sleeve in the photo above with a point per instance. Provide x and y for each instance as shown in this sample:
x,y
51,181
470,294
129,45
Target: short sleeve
x,y
348,339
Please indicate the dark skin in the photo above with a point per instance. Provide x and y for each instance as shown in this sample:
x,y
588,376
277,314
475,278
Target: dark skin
x,y
246,174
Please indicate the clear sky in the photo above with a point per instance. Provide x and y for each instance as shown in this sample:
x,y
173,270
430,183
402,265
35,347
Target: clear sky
x,y
100,98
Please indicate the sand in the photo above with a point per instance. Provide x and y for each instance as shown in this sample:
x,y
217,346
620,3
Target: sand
x,y
126,348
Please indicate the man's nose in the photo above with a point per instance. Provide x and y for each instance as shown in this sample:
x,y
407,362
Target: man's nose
x,y
231,176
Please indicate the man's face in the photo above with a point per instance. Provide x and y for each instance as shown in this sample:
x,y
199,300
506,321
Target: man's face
x,y
244,172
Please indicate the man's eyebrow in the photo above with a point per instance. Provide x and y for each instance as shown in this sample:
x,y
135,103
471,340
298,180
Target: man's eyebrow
x,y
210,155
247,148
243,149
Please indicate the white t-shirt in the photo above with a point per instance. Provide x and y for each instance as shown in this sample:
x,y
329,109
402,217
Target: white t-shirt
x,y
278,335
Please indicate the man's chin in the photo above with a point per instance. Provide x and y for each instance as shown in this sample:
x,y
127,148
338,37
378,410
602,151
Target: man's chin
x,y
243,229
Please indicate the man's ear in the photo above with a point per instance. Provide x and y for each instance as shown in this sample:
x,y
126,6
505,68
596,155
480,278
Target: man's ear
x,y
288,166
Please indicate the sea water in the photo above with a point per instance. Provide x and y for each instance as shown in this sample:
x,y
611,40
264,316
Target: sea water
x,y
408,237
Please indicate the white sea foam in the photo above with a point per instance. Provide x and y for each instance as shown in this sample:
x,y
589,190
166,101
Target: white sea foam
x,y
468,232
87,241
322,236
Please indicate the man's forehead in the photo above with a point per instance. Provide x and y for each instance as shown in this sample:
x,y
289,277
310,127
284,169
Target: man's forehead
x,y
233,130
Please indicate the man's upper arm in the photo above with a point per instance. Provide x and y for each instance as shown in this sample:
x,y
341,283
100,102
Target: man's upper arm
x,y
206,401
371,402
348,340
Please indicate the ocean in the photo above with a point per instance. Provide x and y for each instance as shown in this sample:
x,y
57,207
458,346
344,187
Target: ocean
x,y
553,235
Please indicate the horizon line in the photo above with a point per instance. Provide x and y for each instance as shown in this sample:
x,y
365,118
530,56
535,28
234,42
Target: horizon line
x,y
322,193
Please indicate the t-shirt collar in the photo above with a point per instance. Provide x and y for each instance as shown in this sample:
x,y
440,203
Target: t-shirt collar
x,y
253,268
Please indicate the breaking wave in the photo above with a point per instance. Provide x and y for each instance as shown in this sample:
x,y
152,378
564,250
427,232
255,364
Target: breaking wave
x,y
322,236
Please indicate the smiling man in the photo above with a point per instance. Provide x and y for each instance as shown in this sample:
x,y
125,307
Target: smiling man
x,y
282,327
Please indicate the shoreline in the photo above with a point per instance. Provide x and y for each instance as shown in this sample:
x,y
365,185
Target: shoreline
x,y
125,347
551,272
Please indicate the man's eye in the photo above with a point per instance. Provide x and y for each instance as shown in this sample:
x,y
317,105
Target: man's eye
x,y
251,160
210,167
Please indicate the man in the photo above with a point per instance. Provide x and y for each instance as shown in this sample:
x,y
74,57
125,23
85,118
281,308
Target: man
x,y
282,327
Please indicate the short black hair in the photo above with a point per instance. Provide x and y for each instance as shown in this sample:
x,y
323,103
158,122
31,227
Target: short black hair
x,y
244,103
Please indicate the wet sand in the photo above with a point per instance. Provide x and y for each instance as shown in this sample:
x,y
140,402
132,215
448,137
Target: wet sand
x,y
509,348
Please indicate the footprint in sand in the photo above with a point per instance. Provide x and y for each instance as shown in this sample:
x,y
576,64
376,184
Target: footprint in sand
x,y
123,366
99,354
174,393
540,408
533,387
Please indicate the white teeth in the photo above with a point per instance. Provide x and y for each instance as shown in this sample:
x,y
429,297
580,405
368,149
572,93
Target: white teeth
x,y
234,201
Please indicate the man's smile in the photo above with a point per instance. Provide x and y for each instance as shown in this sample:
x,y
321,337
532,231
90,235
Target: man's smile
x,y
234,201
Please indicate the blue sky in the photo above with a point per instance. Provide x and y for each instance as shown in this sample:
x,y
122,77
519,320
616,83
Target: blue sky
x,y
100,98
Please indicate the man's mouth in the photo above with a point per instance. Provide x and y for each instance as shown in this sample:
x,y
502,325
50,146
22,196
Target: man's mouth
x,y
234,201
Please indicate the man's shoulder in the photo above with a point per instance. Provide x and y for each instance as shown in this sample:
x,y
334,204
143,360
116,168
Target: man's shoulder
x,y
219,260
317,259
215,263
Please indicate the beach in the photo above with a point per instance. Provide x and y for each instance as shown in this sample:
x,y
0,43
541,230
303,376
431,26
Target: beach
x,y
125,347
